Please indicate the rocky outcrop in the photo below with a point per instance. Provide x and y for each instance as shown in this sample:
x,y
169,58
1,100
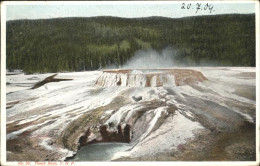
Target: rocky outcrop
x,y
127,136
91,128
48,80
121,135
83,140
149,78
115,136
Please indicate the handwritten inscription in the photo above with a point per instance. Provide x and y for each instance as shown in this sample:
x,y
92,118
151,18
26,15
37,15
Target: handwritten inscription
x,y
198,7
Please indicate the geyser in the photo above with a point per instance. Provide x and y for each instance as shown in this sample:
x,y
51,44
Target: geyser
x,y
149,77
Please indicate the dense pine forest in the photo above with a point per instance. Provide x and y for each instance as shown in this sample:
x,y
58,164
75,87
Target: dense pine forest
x,y
75,44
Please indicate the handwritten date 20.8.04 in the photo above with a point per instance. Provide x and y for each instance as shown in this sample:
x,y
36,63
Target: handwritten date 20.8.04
x,y
198,7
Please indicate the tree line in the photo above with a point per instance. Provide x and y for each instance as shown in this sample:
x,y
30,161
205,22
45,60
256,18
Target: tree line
x,y
76,44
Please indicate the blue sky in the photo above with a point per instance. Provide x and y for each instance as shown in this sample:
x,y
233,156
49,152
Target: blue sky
x,y
18,10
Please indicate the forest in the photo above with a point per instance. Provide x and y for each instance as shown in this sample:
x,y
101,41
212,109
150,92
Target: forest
x,y
92,43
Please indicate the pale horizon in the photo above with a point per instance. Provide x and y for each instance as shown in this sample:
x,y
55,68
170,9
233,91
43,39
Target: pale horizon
x,y
31,11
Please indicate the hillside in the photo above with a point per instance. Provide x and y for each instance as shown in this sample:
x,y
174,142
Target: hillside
x,y
74,44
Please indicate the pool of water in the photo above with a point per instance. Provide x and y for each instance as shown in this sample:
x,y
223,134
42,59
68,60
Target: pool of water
x,y
99,151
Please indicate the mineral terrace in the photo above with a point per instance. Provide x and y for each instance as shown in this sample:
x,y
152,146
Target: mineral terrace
x,y
199,114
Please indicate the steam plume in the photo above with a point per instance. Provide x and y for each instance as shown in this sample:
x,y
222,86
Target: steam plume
x,y
145,59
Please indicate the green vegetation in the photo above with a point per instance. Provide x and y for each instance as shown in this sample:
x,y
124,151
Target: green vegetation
x,y
72,44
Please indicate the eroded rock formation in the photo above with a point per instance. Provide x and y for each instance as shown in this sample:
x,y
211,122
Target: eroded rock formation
x,y
115,136
48,80
177,121
149,78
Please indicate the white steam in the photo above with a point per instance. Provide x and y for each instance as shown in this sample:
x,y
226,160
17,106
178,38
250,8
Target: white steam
x,y
151,59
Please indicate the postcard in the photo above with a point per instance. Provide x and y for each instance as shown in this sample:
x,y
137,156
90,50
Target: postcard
x,y
130,83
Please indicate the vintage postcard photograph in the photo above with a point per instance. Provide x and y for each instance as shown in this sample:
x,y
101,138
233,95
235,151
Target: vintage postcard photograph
x,y
123,82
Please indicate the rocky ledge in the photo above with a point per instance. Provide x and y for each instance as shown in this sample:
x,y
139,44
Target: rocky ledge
x,y
149,77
